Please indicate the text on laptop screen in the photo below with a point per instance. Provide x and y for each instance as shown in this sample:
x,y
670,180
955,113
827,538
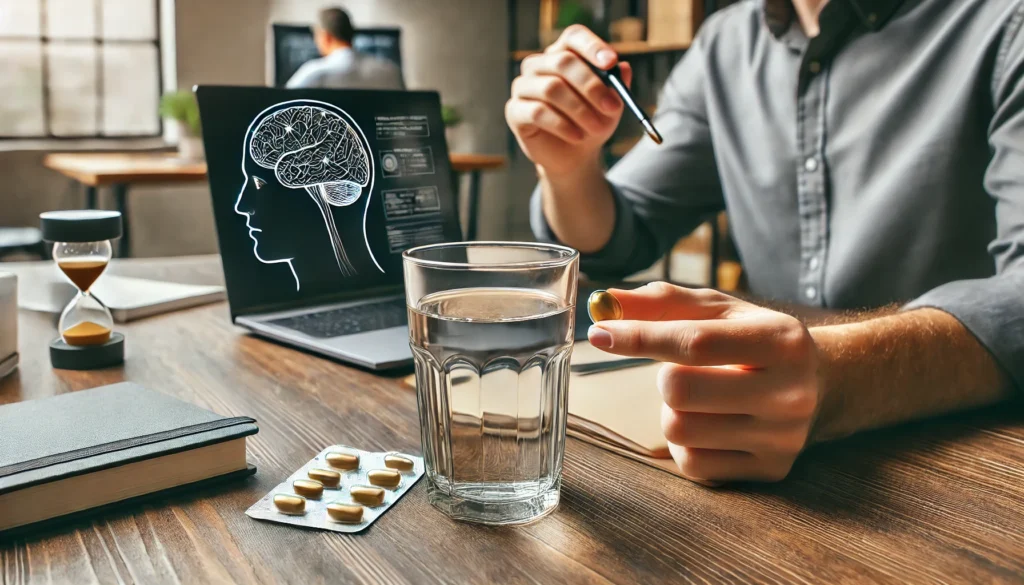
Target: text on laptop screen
x,y
316,193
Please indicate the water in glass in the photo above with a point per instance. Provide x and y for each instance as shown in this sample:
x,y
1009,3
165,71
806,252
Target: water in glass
x,y
492,370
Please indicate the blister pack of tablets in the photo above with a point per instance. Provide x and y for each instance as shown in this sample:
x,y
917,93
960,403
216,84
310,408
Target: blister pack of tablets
x,y
342,489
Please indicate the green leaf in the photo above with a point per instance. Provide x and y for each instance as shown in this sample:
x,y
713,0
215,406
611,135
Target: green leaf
x,y
450,116
182,106
571,12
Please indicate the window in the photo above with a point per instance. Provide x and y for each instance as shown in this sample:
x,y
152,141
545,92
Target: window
x,y
79,68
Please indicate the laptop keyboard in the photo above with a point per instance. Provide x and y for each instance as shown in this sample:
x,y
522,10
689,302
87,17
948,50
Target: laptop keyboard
x,y
348,320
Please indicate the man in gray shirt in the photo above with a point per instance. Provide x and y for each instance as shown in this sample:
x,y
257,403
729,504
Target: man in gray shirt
x,y
341,67
870,154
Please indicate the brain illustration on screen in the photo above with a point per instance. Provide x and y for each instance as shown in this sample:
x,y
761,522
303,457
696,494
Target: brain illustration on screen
x,y
316,147
309,147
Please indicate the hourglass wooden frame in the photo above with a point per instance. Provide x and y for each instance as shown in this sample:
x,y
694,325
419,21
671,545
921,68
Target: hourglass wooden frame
x,y
82,251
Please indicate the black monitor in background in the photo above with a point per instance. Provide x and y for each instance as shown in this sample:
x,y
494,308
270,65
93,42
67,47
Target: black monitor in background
x,y
294,45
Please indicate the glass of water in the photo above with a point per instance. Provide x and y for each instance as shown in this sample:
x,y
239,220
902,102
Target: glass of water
x,y
491,331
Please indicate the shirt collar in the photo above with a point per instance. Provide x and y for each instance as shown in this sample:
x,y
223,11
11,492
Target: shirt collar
x,y
340,53
873,14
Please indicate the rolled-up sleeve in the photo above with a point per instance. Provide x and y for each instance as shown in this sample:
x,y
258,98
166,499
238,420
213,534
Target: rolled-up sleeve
x,y
622,252
993,308
662,192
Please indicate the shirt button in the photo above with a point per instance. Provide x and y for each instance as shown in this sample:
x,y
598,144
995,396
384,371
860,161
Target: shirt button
x,y
810,292
814,67
813,263
811,164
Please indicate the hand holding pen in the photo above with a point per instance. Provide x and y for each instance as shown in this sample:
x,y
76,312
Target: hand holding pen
x,y
561,111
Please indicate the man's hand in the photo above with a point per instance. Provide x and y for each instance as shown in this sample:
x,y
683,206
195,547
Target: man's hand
x,y
740,382
561,112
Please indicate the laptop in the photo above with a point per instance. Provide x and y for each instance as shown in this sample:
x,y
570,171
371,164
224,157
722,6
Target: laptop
x,y
316,194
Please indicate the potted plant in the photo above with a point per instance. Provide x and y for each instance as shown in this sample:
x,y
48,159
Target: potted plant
x,y
452,118
569,12
181,109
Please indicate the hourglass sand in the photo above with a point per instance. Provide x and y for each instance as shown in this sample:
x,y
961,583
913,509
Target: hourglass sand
x,y
82,250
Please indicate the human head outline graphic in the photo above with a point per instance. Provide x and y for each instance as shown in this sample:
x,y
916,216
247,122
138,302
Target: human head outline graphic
x,y
310,146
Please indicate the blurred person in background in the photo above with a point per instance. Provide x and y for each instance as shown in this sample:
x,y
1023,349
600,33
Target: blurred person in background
x,y
340,66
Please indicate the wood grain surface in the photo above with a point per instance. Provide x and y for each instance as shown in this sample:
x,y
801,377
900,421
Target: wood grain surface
x,y
99,169
935,502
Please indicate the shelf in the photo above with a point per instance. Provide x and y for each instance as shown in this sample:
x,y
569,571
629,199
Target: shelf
x,y
623,49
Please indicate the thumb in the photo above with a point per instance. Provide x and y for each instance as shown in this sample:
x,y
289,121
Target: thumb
x,y
661,301
585,43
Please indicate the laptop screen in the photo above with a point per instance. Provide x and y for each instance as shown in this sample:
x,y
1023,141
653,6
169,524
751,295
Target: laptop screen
x,y
316,193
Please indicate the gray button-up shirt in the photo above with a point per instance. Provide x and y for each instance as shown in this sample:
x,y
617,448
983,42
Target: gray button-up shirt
x,y
346,68
879,162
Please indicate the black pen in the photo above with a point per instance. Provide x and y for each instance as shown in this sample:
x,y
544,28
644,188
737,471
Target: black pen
x,y
613,79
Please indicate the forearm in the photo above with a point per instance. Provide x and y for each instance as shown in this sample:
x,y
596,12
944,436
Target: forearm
x,y
579,207
900,367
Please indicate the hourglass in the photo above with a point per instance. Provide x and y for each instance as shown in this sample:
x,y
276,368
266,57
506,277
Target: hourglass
x,y
82,250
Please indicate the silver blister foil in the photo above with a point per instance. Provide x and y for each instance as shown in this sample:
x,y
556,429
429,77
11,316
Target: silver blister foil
x,y
316,515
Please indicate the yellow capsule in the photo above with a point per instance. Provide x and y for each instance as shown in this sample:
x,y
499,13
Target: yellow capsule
x,y
340,460
290,504
384,477
368,496
603,306
399,463
308,488
347,513
325,476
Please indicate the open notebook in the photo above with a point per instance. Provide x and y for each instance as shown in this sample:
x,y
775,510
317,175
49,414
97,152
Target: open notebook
x,y
127,298
619,410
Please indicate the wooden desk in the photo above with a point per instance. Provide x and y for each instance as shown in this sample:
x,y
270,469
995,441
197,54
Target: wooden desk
x,y
936,501
120,170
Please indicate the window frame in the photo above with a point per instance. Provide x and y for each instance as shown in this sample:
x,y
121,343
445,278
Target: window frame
x,y
98,41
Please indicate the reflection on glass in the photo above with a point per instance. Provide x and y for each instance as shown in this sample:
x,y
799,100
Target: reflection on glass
x,y
21,84
128,19
130,90
70,19
19,18
71,75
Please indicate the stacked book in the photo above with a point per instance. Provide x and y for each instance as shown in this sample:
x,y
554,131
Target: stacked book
x,y
80,452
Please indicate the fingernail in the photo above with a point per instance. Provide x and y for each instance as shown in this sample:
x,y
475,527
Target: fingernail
x,y
610,103
605,57
599,337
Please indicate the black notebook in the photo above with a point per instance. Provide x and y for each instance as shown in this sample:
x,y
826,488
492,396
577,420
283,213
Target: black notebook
x,y
82,450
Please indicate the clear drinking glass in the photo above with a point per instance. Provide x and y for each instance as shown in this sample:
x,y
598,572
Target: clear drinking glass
x,y
491,331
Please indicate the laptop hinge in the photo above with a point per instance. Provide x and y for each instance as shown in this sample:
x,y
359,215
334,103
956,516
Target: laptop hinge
x,y
363,294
